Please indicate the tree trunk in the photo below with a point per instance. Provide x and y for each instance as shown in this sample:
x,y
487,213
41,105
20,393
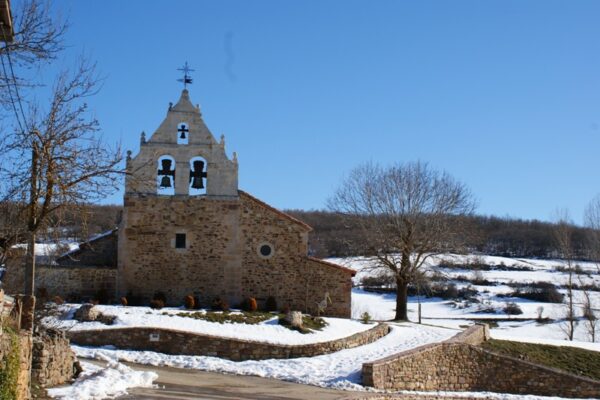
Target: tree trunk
x,y
30,265
401,300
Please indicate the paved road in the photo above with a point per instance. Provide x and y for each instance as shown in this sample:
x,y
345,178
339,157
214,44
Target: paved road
x,y
185,384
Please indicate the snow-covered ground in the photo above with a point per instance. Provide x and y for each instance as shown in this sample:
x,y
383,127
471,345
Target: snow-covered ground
x,y
340,370
268,331
490,304
96,383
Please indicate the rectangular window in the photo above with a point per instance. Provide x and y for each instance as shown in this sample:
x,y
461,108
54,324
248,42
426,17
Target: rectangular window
x,y
180,240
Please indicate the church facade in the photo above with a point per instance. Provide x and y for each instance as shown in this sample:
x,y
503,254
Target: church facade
x,y
186,228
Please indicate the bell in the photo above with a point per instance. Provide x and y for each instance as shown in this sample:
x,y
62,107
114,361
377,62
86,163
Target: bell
x,y
197,183
182,136
165,182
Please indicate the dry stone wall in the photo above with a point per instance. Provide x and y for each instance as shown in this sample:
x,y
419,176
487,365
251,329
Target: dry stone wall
x,y
25,344
54,362
458,365
179,342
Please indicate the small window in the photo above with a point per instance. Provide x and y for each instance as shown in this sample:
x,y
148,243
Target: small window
x,y
265,250
180,240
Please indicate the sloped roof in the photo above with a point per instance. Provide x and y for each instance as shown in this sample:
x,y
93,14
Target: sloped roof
x,y
281,214
330,264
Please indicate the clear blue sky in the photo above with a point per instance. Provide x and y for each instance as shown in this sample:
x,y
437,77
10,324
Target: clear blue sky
x,y
504,95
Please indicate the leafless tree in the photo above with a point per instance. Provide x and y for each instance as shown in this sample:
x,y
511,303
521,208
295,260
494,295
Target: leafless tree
x,y
405,215
60,162
589,315
563,235
592,221
52,157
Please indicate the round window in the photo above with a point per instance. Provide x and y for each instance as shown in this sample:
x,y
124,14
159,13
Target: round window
x,y
265,250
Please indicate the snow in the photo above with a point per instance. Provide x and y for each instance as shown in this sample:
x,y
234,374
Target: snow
x,y
490,304
341,370
96,383
268,331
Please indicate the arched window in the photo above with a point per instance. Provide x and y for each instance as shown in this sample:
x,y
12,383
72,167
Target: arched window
x,y
198,176
165,175
183,133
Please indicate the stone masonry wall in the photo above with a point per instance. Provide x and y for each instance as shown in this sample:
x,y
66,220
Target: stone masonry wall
x,y
294,279
67,282
179,342
54,363
459,366
221,258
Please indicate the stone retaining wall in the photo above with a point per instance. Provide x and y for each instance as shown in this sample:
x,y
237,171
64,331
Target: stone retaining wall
x,y
458,365
54,363
179,342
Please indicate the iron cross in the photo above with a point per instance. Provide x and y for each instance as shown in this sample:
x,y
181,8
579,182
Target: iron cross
x,y
187,79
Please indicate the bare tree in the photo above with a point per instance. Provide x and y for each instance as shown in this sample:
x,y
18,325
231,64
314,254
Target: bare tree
x,y
592,221
405,212
563,235
589,315
60,162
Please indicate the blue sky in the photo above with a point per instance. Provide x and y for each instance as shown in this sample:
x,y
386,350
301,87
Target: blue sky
x,y
504,95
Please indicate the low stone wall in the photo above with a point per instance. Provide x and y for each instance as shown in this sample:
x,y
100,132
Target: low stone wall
x,y
458,365
54,363
179,342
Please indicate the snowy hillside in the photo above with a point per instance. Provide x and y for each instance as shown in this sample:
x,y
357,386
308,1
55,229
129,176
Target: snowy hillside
x,y
495,290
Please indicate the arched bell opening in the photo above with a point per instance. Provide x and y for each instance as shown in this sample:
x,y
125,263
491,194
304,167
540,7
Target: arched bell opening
x,y
183,133
198,176
165,176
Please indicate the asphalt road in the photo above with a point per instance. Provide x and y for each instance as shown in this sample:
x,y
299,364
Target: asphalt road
x,y
177,383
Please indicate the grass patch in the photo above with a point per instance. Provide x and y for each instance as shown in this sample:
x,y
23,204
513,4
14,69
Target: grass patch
x,y
309,323
571,359
244,317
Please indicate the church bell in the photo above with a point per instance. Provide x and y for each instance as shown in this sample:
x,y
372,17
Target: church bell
x,y
165,182
197,183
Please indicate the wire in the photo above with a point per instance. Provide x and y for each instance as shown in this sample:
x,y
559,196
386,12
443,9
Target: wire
x,y
14,82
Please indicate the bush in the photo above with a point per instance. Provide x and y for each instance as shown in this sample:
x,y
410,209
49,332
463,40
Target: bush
x,y
544,292
249,304
365,318
512,309
160,296
444,291
102,297
220,304
189,302
379,280
271,304
58,300
124,301
157,304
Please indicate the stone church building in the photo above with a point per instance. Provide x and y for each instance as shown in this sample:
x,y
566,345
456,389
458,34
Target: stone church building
x,y
186,228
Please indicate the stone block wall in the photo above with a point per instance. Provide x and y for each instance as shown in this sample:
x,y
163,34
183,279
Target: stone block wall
x,y
179,342
458,365
222,258
62,281
54,363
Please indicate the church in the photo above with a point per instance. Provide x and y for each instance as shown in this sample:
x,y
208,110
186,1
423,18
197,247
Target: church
x,y
186,228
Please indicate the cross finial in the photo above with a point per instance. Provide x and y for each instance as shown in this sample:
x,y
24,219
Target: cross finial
x,y
187,79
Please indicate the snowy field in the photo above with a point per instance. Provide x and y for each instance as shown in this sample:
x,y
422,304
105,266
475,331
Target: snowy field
x,y
268,331
490,303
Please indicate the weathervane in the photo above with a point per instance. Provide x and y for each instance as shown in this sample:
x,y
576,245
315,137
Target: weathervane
x,y
187,79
